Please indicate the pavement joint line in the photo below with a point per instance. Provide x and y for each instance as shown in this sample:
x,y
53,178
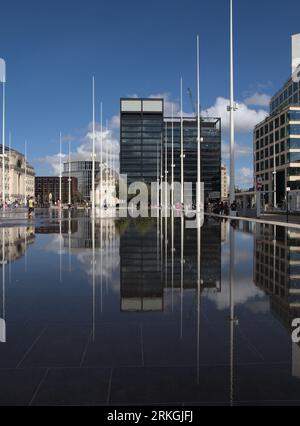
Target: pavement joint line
x,y
254,220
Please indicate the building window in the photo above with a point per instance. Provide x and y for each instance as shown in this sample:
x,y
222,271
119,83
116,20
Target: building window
x,y
294,157
294,143
294,115
294,129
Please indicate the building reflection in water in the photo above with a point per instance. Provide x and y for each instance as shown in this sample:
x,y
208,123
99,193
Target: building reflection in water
x,y
277,272
14,243
161,259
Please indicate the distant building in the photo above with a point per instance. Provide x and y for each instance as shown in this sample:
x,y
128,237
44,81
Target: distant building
x,y
106,194
277,142
224,183
82,171
47,189
15,185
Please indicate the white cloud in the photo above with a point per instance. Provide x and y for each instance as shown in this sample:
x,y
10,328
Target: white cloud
x,y
240,151
111,149
244,177
258,99
245,118
115,122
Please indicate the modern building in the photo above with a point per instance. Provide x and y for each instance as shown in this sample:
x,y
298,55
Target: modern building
x,y
146,140
224,183
277,142
141,133
210,153
82,171
47,189
18,184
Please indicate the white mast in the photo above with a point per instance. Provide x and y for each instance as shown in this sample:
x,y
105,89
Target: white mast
x,y
69,179
9,157
93,154
25,178
101,153
172,165
166,168
232,108
198,129
60,171
3,80
181,145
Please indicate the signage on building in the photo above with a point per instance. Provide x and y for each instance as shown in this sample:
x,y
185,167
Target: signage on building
x,y
259,184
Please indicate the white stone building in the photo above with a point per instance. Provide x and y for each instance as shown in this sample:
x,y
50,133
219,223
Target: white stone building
x,y
15,186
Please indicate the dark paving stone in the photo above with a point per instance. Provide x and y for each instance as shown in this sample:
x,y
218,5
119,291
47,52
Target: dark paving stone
x,y
169,385
59,346
17,386
163,345
270,382
270,338
19,339
80,386
116,345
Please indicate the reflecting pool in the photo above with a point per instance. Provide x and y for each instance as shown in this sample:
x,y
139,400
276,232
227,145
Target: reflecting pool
x,y
148,312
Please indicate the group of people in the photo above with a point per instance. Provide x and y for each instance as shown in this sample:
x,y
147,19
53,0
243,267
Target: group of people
x,y
223,208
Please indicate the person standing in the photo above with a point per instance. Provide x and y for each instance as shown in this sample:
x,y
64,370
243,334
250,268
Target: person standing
x,y
30,207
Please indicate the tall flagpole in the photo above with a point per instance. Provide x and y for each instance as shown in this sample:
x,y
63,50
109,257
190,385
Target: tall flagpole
x,y
101,154
232,108
9,157
172,165
3,80
166,168
60,172
107,171
161,169
3,143
181,144
93,154
25,179
69,179
198,129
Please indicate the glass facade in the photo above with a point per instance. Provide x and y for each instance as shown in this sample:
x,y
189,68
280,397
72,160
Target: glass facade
x,y
289,95
140,141
210,153
144,136
82,170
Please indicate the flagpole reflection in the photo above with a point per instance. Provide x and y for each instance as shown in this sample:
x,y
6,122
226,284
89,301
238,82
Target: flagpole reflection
x,y
69,237
181,273
93,276
3,320
198,293
233,320
172,254
101,264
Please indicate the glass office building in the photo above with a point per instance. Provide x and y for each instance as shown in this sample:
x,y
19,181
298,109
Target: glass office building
x,y
145,134
140,138
82,170
210,153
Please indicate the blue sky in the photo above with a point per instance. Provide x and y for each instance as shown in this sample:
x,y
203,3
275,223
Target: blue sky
x,y
132,47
